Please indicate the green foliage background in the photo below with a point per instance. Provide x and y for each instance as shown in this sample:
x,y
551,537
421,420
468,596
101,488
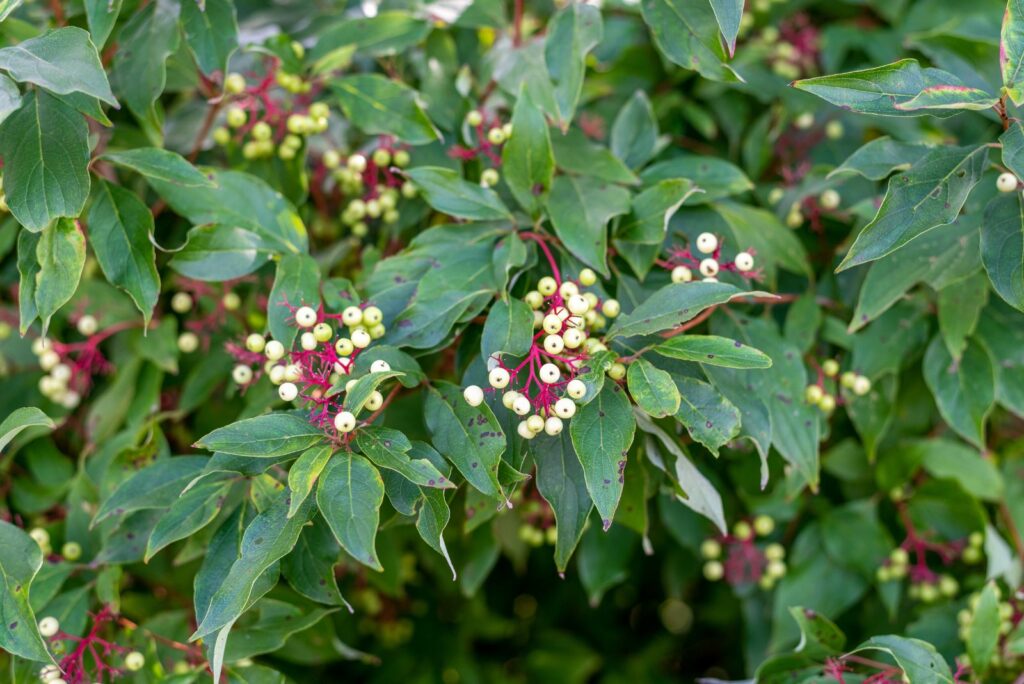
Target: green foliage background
x,y
865,152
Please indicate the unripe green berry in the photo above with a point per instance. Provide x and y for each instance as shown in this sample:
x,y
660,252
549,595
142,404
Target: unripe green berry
x,y
234,84
236,117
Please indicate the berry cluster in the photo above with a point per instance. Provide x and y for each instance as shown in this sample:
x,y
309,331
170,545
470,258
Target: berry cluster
x,y
71,366
559,351
910,559
739,560
312,373
1011,615
371,184
538,526
212,305
817,394
263,124
71,551
708,262
792,48
89,651
486,136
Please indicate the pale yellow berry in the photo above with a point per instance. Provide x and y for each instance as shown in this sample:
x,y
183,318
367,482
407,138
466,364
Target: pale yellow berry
x,y
255,343
345,422
474,395
498,378
306,317
547,286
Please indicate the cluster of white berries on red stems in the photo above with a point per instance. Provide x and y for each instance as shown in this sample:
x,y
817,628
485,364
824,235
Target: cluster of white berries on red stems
x,y
543,387
817,394
705,260
313,372
71,366
372,184
486,135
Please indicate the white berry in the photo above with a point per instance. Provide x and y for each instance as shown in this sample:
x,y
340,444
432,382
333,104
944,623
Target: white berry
x,y
553,425
576,389
241,374
322,332
380,366
292,372
255,343
276,375
274,350
549,373
565,408
134,661
360,339
611,308
509,398
706,243
345,422
288,391
681,274
829,199
1007,182
308,341
553,344
375,401
547,286
578,304
474,395
499,378
521,406
87,325
709,268
48,626
344,346
744,261
535,423
572,338
352,316
524,431
305,317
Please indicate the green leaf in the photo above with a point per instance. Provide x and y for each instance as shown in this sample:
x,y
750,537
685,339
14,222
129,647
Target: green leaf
x,y
101,15
364,387
939,258
378,105
19,564
309,568
211,32
278,622
1011,50
218,252
267,539
349,496
949,97
952,460
120,226
446,191
304,473
266,436
960,306
602,432
1002,247
821,637
140,65
964,391
160,164
10,97
691,488
672,305
577,154
880,158
7,7
652,389
560,480
883,90
687,33
387,33
239,200
634,137
1012,141
388,448
571,34
580,208
709,417
714,351
61,257
45,148
62,61
296,283
643,232
919,660
717,178
528,162
192,511
728,14
23,419
983,633
508,329
1001,332
155,486
929,195
470,437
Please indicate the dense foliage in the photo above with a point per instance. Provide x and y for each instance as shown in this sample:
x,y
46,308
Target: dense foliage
x,y
474,341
